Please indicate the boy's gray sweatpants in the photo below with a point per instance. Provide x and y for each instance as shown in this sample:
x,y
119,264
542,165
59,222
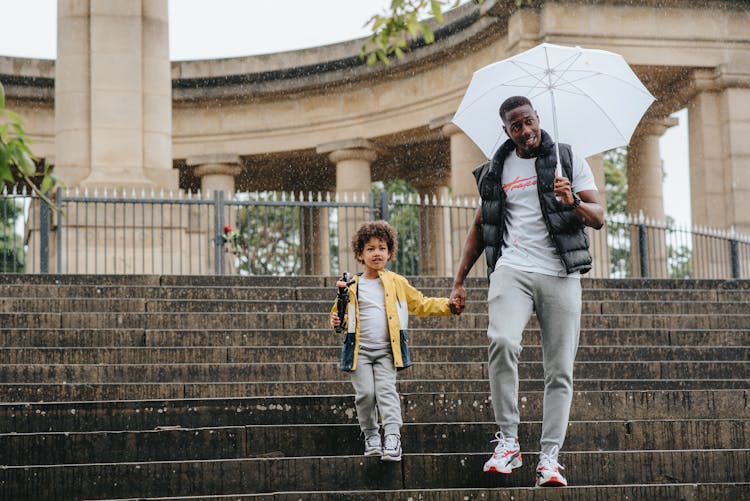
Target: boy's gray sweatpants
x,y
374,382
513,296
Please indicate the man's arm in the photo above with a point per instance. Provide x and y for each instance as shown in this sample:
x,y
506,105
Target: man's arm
x,y
473,247
590,209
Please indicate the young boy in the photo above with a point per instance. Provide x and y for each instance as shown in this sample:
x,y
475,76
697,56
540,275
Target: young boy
x,y
375,346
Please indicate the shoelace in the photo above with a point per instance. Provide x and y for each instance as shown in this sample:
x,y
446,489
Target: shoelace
x,y
549,460
391,441
507,443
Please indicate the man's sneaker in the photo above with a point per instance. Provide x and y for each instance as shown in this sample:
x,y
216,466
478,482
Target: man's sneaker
x,y
373,446
548,471
392,448
506,457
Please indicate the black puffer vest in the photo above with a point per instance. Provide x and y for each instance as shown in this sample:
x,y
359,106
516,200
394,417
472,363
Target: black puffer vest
x,y
565,228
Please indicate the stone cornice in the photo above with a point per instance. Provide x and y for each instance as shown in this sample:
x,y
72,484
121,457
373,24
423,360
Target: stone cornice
x,y
321,69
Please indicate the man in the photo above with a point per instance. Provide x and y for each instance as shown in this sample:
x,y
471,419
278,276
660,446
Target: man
x,y
530,226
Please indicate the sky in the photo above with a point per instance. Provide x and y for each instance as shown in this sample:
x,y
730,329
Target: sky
x,y
201,29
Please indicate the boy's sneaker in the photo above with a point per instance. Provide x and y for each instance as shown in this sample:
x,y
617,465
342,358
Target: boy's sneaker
x,y
373,446
392,448
506,457
548,471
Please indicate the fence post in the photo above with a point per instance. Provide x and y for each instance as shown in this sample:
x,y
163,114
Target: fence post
x,y
219,232
643,250
43,235
735,257
58,230
383,207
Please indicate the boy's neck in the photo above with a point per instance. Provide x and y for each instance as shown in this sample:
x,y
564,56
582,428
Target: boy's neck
x,y
371,274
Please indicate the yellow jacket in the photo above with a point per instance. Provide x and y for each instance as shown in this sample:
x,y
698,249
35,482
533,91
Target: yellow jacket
x,y
401,299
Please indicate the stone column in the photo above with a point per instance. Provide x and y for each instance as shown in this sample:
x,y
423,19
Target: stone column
x,y
645,193
113,103
435,257
353,159
718,113
598,238
465,156
217,172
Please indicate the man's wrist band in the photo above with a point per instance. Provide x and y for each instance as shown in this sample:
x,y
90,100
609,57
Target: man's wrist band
x,y
575,204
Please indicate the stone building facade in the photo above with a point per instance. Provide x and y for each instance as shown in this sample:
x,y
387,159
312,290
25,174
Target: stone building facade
x,y
112,109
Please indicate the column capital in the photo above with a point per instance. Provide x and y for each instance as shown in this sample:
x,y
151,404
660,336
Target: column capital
x,y
349,149
446,126
655,126
223,164
714,80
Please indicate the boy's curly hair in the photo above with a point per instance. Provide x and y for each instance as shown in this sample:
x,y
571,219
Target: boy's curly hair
x,y
377,229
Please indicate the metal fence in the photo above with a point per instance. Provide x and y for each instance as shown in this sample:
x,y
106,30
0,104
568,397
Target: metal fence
x,y
309,234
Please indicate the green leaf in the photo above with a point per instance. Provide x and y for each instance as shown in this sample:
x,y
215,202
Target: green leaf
x,y
47,184
2,96
5,173
372,58
429,36
24,163
437,11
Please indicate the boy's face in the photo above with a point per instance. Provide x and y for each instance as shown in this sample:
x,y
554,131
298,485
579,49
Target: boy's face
x,y
375,254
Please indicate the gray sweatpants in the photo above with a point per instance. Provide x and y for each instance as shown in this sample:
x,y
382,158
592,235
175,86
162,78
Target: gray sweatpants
x,y
374,383
513,296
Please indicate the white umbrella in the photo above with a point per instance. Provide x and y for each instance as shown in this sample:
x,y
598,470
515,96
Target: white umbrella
x,y
592,97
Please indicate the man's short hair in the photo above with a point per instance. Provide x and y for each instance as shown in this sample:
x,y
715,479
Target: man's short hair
x,y
512,103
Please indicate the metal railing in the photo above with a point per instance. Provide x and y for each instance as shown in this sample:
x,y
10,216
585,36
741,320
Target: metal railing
x,y
309,234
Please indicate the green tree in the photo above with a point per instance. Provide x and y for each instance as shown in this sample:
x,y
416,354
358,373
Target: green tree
x,y
406,22
403,214
616,181
266,239
679,257
12,256
17,162
618,229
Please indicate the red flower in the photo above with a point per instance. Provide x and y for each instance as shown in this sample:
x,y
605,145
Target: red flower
x,y
228,228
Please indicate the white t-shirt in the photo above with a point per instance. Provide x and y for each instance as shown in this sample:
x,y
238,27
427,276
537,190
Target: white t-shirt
x,y
527,245
373,329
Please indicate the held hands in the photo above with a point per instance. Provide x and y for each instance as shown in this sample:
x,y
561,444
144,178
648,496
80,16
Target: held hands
x,y
458,300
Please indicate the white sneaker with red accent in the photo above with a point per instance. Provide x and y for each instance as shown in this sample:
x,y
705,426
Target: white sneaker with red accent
x,y
507,455
548,471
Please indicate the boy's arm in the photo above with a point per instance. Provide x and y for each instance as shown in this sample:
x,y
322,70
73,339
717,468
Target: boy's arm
x,y
423,306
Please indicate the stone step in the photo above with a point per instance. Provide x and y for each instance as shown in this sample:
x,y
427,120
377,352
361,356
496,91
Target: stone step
x,y
212,305
26,417
134,337
652,492
177,443
329,371
326,295
67,392
304,354
295,320
201,281
416,471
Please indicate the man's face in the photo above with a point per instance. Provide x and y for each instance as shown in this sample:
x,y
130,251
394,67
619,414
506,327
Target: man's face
x,y
522,126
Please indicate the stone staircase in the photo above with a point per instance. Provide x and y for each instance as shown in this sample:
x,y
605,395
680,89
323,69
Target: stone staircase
x,y
161,387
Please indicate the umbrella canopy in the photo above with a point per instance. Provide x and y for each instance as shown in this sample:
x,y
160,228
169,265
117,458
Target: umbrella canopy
x,y
591,98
